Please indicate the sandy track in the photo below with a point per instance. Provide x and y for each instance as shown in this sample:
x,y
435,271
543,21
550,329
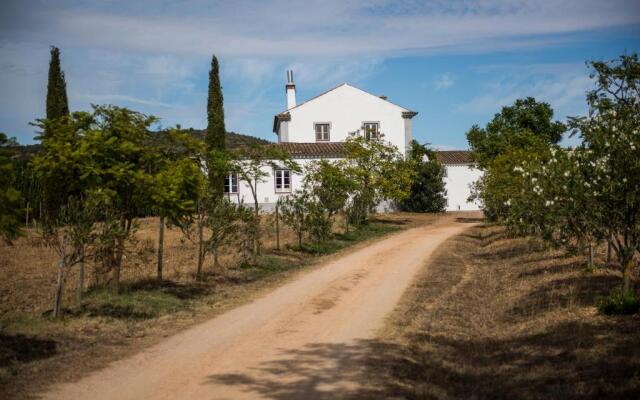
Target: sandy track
x,y
258,350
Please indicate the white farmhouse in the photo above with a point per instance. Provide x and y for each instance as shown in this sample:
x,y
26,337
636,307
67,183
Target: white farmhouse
x,y
317,128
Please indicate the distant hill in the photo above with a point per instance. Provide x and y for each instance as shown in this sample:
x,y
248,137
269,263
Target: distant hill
x,y
234,140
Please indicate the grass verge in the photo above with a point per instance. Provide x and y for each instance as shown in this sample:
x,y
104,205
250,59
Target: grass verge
x,y
496,317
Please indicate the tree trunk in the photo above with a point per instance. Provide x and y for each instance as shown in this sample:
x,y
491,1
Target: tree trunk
x,y
200,250
80,288
125,225
58,296
277,228
609,249
581,246
26,220
160,247
590,256
216,263
626,274
257,227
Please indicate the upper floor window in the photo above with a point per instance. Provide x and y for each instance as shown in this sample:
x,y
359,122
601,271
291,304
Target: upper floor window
x,y
231,184
322,132
283,180
371,130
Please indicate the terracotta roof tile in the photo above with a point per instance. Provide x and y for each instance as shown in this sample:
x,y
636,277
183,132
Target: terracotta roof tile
x,y
455,157
313,150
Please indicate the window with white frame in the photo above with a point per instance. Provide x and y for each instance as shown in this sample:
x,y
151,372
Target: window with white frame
x,y
371,130
283,180
231,184
322,132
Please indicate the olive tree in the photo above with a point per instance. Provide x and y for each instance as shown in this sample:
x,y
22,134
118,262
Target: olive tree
x,y
611,133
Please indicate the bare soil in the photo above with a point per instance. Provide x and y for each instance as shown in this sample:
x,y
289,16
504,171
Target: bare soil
x,y
269,348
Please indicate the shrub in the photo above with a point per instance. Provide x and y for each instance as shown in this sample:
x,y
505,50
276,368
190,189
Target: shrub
x,y
619,302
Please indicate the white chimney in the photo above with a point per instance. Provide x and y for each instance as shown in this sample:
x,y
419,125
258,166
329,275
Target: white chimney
x,y
291,90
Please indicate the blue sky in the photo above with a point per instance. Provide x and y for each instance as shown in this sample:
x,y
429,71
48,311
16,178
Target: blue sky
x,y
455,62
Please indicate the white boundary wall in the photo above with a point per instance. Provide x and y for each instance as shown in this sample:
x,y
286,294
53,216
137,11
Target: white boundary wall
x,y
457,182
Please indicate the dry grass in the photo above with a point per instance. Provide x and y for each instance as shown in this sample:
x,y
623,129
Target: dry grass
x,y
494,317
35,350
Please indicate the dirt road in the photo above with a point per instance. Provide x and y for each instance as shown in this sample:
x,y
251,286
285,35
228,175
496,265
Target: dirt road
x,y
258,351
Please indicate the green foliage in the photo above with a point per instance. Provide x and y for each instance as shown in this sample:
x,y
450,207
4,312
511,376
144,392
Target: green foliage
x,y
107,155
328,188
581,195
328,184
225,224
293,211
619,302
515,134
216,132
427,192
57,103
252,164
524,124
178,178
10,197
378,172
610,134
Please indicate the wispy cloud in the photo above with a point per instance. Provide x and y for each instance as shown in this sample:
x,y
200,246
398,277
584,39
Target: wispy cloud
x,y
444,81
562,85
155,55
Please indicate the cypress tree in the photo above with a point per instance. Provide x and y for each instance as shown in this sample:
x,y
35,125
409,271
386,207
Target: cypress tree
x,y
216,132
57,103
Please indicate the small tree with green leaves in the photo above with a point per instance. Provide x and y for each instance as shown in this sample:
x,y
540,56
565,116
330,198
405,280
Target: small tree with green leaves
x,y
106,153
378,172
427,187
224,224
68,233
294,208
175,187
328,189
525,123
253,164
611,133
10,197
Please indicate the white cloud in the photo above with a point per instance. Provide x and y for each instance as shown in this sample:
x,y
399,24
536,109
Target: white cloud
x,y
312,28
444,81
563,86
156,56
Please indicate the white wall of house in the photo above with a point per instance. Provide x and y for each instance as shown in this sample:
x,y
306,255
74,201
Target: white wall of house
x,y
346,108
457,182
267,194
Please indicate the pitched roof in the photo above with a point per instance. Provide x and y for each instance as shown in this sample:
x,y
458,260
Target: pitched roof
x,y
284,115
449,157
313,150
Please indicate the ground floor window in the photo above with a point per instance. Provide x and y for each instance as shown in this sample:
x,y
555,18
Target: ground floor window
x,y
231,184
283,180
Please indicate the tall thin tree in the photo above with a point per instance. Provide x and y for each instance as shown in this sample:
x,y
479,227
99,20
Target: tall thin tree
x,y
216,132
57,102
